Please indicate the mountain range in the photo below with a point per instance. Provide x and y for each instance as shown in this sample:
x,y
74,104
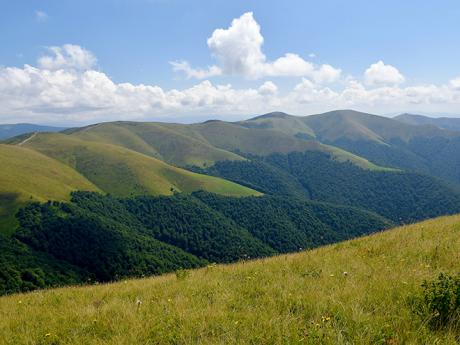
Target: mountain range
x,y
166,195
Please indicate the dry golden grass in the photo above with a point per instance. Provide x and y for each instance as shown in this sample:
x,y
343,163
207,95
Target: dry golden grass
x,y
304,298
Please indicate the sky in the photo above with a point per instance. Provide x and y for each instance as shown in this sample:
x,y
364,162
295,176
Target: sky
x,y
78,62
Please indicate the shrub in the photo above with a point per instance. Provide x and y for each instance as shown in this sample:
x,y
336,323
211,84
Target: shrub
x,y
441,299
181,274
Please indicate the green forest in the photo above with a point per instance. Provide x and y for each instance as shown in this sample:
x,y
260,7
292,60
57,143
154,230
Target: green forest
x,y
100,238
399,196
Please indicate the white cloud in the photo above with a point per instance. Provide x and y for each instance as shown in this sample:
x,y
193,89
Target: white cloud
x,y
41,16
379,74
184,66
268,88
64,88
67,56
238,50
455,84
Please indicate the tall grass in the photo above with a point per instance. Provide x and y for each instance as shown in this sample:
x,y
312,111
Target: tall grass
x,y
356,292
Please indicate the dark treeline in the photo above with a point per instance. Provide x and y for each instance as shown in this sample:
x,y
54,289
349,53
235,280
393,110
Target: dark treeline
x,y
103,238
396,195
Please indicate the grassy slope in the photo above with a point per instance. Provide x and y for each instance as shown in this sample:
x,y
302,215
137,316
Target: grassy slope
x,y
279,300
204,144
27,175
353,125
124,172
175,144
265,141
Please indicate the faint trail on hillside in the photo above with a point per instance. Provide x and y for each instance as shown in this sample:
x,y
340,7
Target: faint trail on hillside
x,y
27,139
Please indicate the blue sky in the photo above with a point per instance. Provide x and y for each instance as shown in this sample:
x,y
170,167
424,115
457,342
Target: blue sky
x,y
134,42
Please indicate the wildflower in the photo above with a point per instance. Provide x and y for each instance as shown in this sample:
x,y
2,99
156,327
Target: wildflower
x,y
325,318
345,273
169,300
20,302
47,335
138,302
237,322
331,275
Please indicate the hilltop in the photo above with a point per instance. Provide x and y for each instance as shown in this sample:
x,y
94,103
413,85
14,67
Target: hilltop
x,y
360,291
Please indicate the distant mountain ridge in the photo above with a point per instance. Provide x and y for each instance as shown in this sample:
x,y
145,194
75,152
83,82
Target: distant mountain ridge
x,y
11,130
450,123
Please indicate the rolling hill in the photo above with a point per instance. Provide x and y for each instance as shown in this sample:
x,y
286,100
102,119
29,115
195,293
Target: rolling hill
x,y
363,291
388,142
108,165
205,143
175,144
27,175
48,166
448,123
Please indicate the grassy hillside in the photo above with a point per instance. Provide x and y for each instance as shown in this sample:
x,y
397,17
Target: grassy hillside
x,y
26,175
354,125
206,143
299,298
175,144
124,172
388,142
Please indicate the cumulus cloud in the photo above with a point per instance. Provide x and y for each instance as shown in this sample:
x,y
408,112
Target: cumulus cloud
x,y
268,88
379,74
238,50
65,87
67,56
455,83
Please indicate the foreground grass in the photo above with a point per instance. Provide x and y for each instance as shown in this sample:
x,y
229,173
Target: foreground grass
x,y
300,298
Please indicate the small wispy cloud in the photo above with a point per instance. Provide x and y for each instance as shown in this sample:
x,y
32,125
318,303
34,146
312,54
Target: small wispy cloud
x,y
41,16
